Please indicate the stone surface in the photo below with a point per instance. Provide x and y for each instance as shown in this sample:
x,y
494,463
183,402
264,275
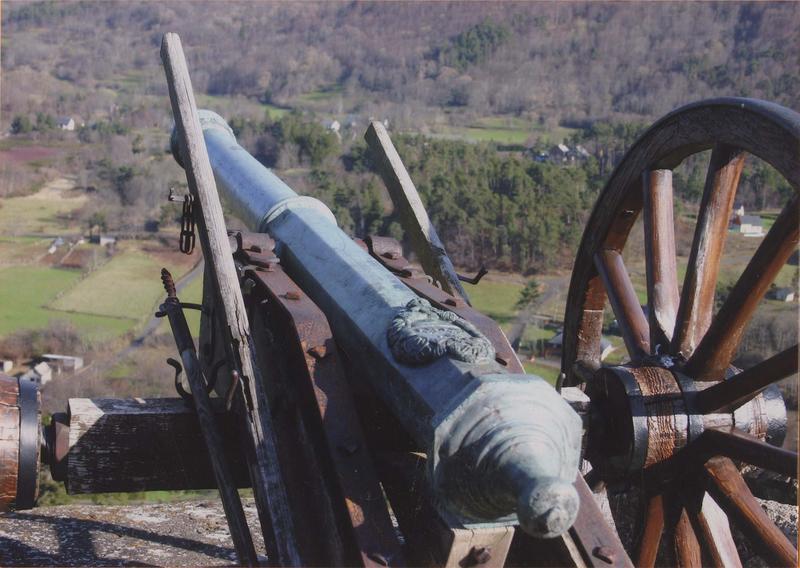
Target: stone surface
x,y
785,518
190,533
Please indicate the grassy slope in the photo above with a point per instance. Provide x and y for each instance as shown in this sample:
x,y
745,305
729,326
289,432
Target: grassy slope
x,y
25,291
31,214
495,299
127,286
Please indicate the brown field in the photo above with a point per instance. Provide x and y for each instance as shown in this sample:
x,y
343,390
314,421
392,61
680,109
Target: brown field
x,y
22,154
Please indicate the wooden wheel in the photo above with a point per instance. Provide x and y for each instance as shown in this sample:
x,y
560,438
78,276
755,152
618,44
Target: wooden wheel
x,y
673,420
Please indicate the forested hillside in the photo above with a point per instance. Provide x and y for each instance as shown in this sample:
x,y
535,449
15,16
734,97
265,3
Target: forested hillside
x,y
552,62
475,95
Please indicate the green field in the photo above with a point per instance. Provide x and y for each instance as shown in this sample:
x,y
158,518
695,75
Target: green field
x,y
494,298
128,286
26,290
508,130
320,95
32,214
549,374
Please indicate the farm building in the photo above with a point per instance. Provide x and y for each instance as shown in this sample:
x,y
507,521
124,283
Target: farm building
x,y
66,123
63,362
748,225
560,153
785,294
102,240
41,374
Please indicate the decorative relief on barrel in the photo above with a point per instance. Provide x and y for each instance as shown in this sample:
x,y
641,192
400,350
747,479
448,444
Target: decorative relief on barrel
x,y
420,333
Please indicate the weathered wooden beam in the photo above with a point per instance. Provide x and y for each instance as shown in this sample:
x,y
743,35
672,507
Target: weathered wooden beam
x,y
659,236
719,344
733,495
268,486
136,444
726,396
650,539
413,217
624,302
231,502
697,297
433,538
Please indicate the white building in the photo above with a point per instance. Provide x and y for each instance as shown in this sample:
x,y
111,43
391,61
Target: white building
x,y
41,374
66,123
63,362
748,225
782,294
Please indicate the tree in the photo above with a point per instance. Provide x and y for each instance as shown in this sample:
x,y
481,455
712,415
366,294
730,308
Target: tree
x,y
529,296
21,125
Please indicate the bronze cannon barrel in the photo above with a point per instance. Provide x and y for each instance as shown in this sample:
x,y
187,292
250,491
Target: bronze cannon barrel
x,y
498,444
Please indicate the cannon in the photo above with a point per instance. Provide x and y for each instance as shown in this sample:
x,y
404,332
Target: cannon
x,y
351,390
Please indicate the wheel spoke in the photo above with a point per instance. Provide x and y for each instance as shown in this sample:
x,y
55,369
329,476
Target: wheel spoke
x,y
687,548
741,446
715,531
726,396
733,495
697,297
624,302
659,236
588,349
651,535
715,351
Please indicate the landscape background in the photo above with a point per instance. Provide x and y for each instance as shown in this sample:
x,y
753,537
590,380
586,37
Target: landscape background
x,y
477,98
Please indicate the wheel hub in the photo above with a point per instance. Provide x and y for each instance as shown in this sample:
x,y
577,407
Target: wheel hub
x,y
644,416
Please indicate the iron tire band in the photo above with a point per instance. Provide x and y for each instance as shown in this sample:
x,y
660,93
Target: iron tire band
x,y
28,445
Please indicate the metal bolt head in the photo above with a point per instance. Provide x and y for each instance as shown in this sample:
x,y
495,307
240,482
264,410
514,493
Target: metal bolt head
x,y
378,558
477,555
248,285
604,553
318,351
349,447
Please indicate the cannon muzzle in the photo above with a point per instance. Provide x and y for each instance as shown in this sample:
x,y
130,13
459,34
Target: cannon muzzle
x,y
497,443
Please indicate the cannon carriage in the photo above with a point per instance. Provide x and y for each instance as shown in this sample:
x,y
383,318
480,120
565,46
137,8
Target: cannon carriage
x,y
353,392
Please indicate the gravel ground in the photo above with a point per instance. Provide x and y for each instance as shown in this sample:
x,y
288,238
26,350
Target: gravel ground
x,y
190,533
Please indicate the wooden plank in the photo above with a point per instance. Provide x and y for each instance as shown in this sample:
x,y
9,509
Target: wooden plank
x,y
231,502
712,357
433,538
660,257
699,285
728,395
712,524
624,302
651,535
304,352
597,542
687,547
107,454
741,446
733,495
9,440
413,217
268,487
